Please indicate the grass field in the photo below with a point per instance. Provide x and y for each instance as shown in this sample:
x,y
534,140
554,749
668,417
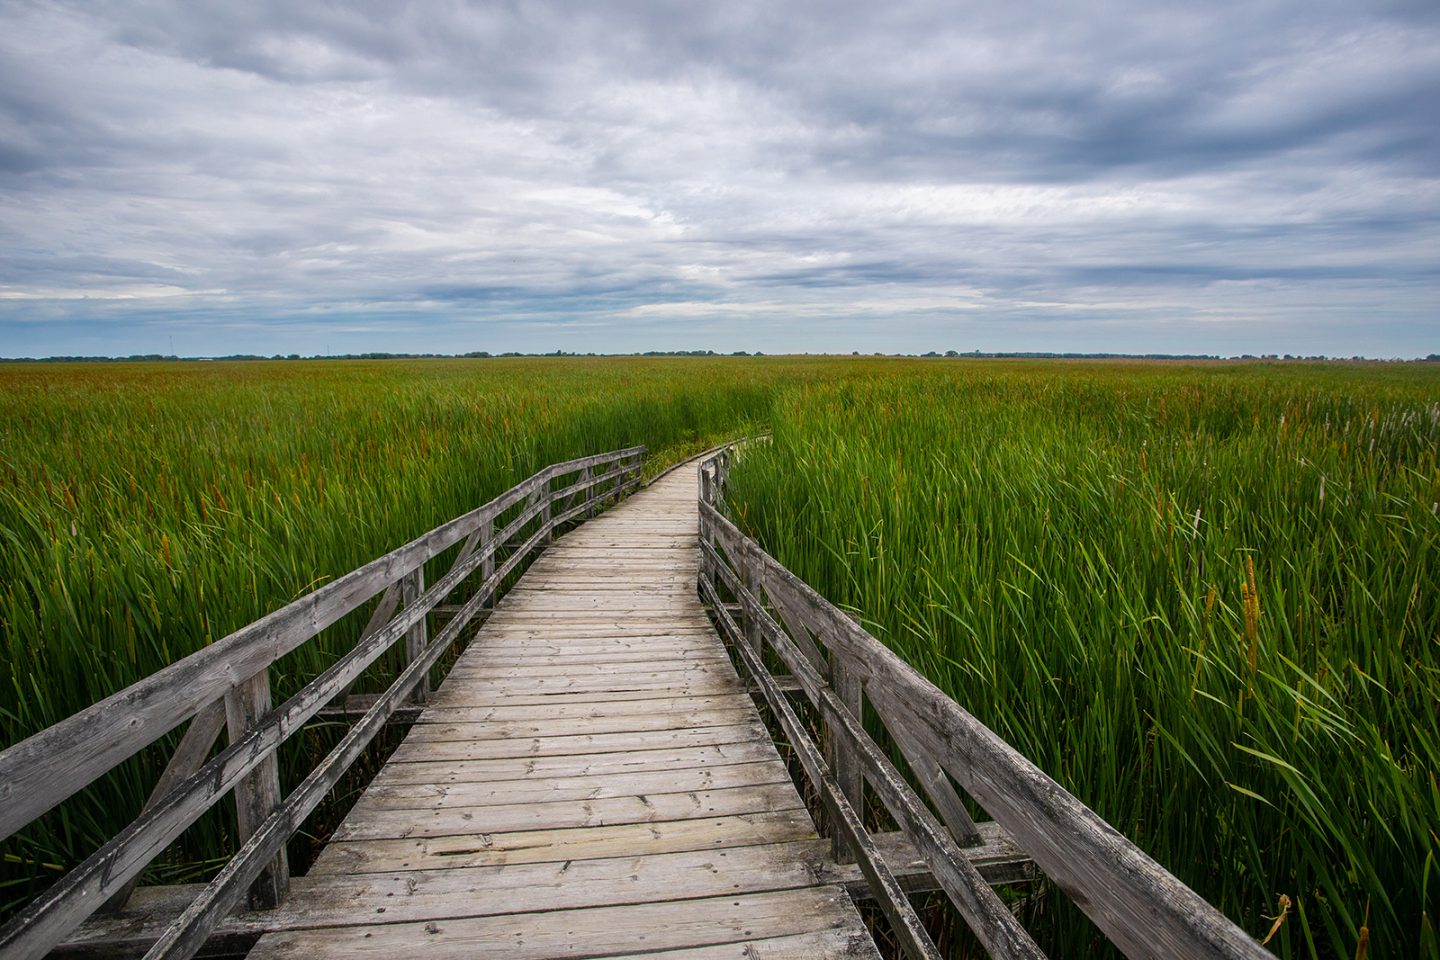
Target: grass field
x,y
1202,597
148,509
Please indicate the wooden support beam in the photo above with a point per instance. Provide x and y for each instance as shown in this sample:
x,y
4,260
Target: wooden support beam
x,y
933,779
188,757
487,565
257,795
850,692
418,636
354,706
748,622
546,499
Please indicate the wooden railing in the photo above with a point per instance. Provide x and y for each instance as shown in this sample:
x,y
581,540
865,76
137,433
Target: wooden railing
x,y
227,684
770,616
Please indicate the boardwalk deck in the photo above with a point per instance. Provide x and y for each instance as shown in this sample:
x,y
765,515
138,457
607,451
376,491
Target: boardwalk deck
x,y
591,779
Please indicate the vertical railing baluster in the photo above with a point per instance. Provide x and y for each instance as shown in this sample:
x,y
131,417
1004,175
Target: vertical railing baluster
x,y
257,795
418,636
851,692
745,567
487,565
547,499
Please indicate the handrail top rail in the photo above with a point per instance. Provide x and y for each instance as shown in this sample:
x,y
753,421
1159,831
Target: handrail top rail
x,y
95,739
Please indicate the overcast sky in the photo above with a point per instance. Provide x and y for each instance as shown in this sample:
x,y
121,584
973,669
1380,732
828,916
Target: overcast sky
x,y
215,176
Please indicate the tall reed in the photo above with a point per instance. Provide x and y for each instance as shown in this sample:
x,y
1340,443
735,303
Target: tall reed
x,y
1203,598
149,509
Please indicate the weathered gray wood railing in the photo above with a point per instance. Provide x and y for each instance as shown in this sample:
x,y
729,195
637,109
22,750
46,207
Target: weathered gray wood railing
x,y
840,668
227,684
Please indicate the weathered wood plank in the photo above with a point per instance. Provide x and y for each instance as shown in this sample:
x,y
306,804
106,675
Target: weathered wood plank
x,y
589,745
368,822
438,727
518,657
412,586
847,772
512,768
699,675
511,712
602,931
533,640
458,696
842,943
189,757
537,637
618,671
913,746
427,795
515,888
257,794
557,846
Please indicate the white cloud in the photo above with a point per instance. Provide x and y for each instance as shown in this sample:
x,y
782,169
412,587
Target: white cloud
x,y
447,177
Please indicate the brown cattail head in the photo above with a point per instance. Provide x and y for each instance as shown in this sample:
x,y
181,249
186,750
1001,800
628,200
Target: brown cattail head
x,y
1251,603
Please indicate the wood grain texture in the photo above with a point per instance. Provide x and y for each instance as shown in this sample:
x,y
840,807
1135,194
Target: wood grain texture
x,y
589,779
257,795
411,894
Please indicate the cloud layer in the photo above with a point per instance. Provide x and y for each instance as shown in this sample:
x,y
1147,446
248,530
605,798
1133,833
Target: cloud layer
x,y
448,176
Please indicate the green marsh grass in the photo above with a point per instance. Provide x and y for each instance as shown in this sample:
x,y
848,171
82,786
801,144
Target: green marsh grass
x,y
149,509
1066,548
1205,599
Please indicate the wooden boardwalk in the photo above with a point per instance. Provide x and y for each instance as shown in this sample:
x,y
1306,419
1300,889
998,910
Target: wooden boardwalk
x,y
591,779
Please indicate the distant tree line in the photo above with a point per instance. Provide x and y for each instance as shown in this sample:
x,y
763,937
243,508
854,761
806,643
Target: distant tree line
x,y
484,354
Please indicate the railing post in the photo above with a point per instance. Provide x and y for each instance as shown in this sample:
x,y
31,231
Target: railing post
x,y
588,493
257,794
417,638
546,500
632,465
748,621
487,565
703,576
848,774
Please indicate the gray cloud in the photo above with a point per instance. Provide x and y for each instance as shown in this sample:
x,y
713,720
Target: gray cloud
x,y
805,176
